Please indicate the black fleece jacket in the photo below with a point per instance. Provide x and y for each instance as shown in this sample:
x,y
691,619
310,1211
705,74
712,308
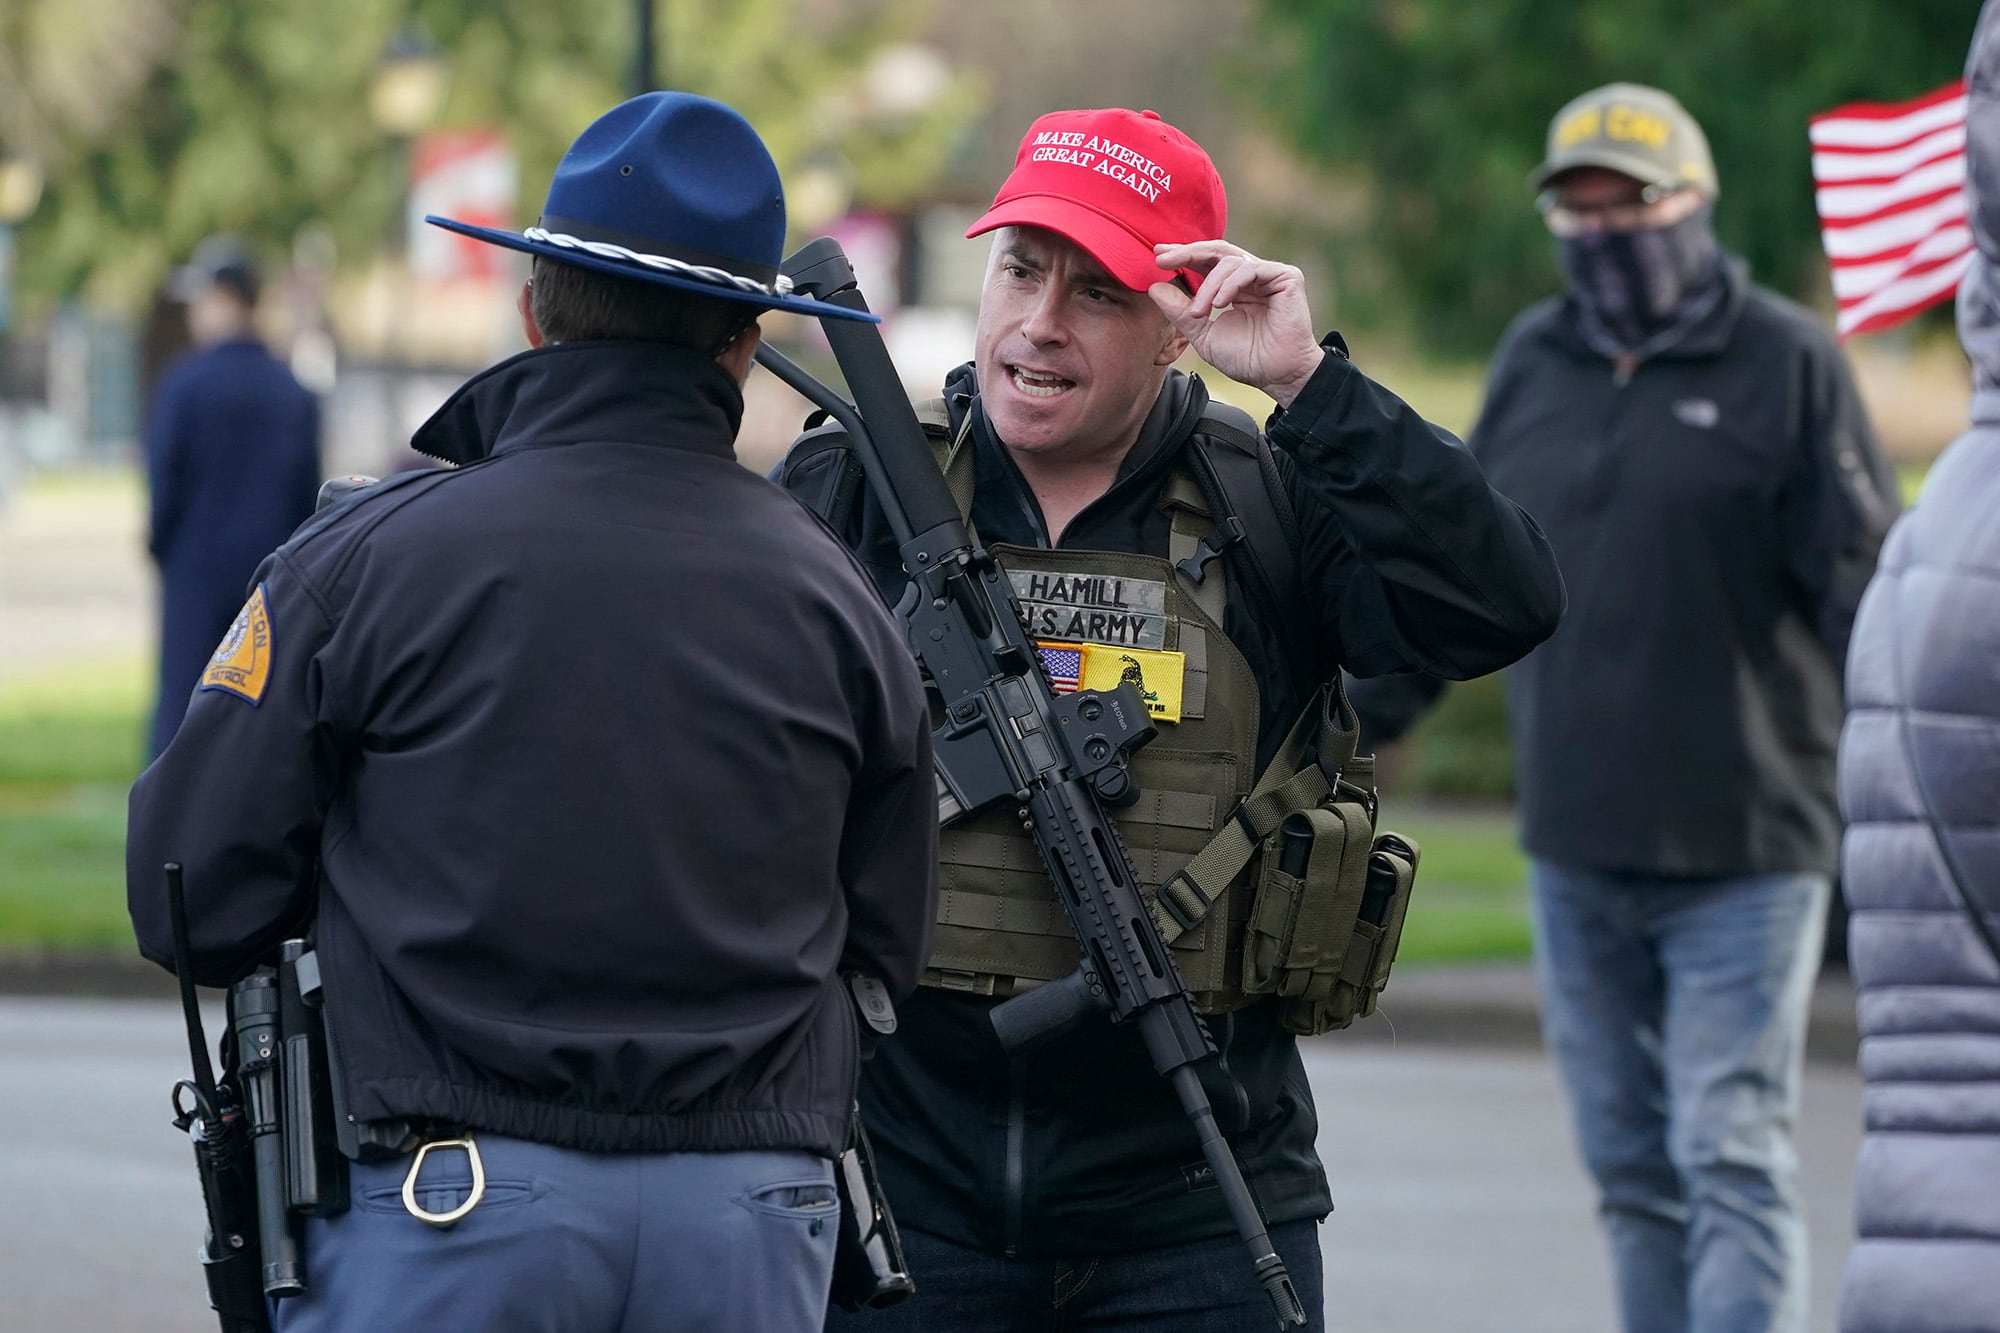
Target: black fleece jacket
x,y
1717,511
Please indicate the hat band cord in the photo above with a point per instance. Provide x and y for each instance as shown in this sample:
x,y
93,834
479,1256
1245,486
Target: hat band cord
x,y
780,286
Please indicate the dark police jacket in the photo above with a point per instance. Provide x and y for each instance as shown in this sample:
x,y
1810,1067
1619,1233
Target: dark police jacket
x,y
232,463
595,760
1717,514
1409,559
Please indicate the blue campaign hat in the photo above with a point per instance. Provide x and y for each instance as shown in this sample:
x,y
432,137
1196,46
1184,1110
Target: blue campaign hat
x,y
673,189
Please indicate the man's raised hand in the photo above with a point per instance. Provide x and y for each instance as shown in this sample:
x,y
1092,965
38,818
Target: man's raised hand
x,y
1249,320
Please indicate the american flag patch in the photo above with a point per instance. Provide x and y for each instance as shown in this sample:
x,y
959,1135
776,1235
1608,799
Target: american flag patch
x,y
1063,663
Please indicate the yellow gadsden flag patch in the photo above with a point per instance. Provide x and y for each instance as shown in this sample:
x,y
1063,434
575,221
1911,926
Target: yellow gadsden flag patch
x,y
242,662
1104,666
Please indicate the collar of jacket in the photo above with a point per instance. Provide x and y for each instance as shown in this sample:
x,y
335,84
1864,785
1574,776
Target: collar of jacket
x,y
1707,338
569,393
1168,426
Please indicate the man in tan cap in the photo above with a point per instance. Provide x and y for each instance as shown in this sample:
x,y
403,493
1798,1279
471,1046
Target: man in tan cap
x,y
1694,448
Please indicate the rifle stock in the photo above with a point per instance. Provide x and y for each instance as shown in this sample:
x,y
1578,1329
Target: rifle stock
x,y
1007,737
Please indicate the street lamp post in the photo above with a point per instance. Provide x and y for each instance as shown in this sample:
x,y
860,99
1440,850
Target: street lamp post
x,y
643,53
408,89
410,82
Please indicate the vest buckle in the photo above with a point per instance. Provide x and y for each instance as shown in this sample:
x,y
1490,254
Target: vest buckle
x,y
1231,532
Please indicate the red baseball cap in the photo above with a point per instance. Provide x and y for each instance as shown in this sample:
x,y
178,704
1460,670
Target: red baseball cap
x,y
1115,182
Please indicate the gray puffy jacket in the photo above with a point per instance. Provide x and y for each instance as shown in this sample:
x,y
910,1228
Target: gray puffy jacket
x,y
1920,788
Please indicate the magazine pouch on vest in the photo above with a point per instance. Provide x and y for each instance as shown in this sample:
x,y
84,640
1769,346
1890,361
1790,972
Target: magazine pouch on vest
x,y
1331,895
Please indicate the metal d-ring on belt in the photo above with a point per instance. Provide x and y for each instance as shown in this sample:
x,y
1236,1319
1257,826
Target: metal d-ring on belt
x,y
423,1214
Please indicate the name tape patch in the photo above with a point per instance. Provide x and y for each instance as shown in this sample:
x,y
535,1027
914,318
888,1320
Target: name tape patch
x,y
1072,608
242,662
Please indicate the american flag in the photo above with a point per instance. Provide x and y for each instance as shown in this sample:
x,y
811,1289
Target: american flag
x,y
1890,184
1064,665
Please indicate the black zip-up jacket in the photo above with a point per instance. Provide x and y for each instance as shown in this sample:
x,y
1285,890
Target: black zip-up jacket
x,y
1717,513
606,759
1408,559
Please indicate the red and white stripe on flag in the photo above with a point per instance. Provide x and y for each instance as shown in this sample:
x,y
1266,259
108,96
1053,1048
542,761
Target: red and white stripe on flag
x,y
1890,186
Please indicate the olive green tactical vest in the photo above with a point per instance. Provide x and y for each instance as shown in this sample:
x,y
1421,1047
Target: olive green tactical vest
x,y
999,923
1272,885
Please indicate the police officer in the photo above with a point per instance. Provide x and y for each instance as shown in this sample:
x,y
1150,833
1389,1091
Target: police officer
x,y
585,848
232,446
1067,1179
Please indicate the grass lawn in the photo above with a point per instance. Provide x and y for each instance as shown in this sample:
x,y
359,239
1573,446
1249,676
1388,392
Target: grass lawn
x,y
1471,901
70,747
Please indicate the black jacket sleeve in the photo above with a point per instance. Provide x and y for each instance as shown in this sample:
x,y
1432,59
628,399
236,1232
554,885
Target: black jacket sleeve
x,y
238,799
889,847
1414,561
889,859
1840,501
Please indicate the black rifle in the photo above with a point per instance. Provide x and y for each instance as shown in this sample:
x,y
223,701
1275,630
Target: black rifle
x,y
1007,737
212,1117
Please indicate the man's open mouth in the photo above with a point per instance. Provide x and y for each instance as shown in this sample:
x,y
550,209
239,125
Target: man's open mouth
x,y
1037,385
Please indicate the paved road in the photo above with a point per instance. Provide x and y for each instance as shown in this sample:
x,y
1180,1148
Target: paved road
x,y
1459,1205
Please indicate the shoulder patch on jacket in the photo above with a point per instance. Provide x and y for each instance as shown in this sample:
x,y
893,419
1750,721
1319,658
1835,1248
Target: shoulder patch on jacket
x,y
242,662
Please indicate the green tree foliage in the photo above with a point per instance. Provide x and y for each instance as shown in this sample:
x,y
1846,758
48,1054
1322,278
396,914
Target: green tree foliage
x,y
159,121
1437,109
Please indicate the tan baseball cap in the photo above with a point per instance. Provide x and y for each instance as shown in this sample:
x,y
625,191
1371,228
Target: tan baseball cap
x,y
1629,128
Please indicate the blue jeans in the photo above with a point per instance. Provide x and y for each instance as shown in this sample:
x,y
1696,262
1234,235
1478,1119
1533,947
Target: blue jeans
x,y
1676,1010
1205,1286
578,1242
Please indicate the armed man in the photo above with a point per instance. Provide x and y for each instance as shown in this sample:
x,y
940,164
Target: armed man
x,y
585,851
1158,539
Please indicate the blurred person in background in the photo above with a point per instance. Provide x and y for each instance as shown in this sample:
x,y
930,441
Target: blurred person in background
x,y
1695,449
232,446
1920,786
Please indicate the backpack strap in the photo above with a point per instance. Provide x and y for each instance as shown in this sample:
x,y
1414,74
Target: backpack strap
x,y
1191,540
953,454
1253,519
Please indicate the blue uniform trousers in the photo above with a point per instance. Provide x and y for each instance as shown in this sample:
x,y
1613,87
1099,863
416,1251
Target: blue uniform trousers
x,y
576,1242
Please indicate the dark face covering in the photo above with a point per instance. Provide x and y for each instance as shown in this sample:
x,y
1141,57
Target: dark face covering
x,y
1635,285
